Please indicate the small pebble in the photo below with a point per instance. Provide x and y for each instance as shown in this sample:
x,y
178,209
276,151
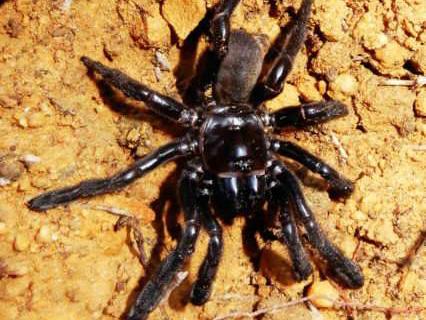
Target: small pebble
x,y
29,159
323,294
36,120
21,242
4,182
420,104
2,228
345,83
10,168
44,235
17,269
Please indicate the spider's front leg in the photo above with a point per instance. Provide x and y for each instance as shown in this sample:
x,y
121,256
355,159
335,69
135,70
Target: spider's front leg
x,y
346,272
338,185
284,52
221,28
88,188
194,205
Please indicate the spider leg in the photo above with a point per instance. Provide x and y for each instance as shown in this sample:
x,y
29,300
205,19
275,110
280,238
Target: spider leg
x,y
288,45
220,26
88,188
201,289
161,104
339,186
308,114
156,288
288,235
345,271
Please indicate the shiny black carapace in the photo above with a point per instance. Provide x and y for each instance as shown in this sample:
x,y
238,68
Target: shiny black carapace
x,y
232,164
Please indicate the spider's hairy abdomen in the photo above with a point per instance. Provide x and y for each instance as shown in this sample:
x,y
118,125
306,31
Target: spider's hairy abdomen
x,y
240,68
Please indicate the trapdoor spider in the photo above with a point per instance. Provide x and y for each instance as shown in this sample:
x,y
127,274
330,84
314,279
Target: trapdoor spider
x,y
231,162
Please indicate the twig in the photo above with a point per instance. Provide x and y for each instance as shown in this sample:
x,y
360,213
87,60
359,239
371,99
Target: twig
x,y
419,147
126,219
259,312
66,5
418,81
408,261
386,310
337,305
342,152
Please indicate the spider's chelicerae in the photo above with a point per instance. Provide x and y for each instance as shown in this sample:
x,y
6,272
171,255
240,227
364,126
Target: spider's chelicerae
x,y
231,158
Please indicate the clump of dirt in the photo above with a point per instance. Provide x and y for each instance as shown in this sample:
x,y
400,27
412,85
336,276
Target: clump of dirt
x,y
58,127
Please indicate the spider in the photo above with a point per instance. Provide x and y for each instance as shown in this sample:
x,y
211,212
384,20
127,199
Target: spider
x,y
231,163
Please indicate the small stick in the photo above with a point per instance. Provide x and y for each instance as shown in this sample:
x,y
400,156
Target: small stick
x,y
337,305
259,312
418,81
342,152
126,219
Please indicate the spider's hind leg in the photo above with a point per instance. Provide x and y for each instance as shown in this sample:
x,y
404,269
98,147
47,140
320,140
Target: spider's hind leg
x,y
283,52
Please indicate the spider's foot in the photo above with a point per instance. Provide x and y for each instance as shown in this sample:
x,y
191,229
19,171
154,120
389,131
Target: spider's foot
x,y
348,274
302,270
341,188
199,294
42,202
96,66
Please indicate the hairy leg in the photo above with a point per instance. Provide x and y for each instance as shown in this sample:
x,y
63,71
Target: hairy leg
x,y
285,51
88,188
339,186
161,104
201,289
157,286
344,270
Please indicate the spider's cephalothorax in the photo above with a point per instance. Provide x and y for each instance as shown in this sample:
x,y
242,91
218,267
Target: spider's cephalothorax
x,y
232,158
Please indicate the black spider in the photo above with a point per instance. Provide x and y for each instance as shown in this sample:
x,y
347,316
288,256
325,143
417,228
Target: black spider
x,y
231,162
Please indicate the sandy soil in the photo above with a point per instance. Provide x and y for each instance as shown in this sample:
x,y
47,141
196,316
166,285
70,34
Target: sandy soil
x,y
57,128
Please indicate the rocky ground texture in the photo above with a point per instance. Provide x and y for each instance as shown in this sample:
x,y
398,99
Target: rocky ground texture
x,y
58,128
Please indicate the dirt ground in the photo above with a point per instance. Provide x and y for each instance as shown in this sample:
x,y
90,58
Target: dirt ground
x,y
57,128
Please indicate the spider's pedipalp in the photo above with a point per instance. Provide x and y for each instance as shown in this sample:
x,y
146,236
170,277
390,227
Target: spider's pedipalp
x,y
343,269
338,185
289,235
308,114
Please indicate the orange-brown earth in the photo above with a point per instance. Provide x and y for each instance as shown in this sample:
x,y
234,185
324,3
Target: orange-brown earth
x,y
57,128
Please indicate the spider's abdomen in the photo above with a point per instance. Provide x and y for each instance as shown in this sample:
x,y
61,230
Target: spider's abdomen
x,y
240,68
233,142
